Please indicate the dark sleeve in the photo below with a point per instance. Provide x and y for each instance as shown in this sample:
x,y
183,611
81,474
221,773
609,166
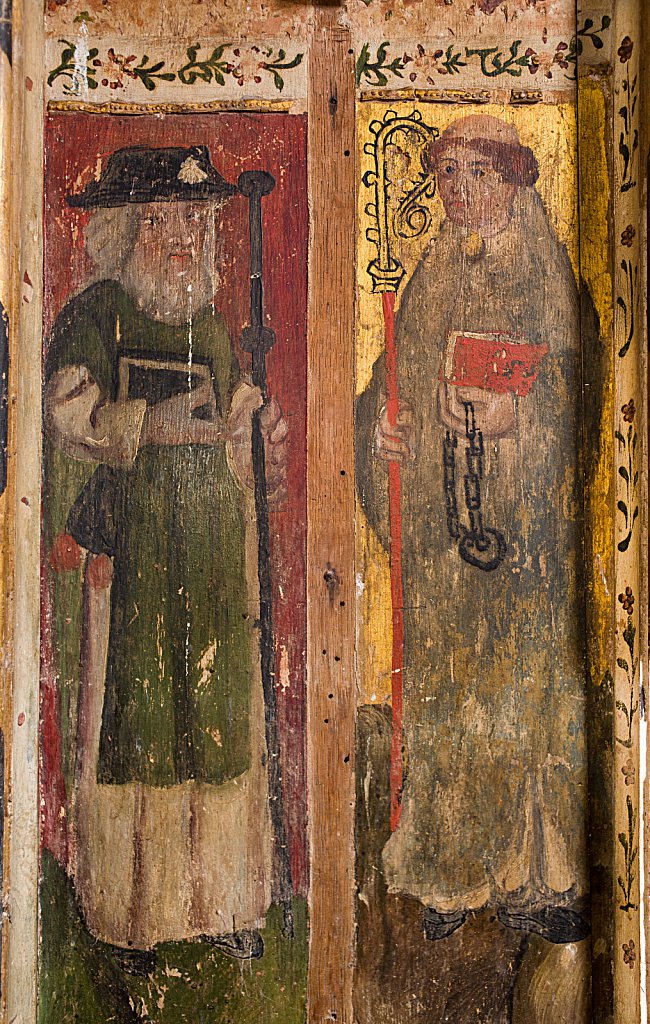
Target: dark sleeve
x,y
93,518
78,338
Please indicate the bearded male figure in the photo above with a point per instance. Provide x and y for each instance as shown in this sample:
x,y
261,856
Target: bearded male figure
x,y
148,472
494,801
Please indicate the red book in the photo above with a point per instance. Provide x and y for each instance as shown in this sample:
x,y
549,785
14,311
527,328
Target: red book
x,y
497,362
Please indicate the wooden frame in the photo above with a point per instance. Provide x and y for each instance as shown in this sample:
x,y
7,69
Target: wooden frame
x,y
330,580
332,104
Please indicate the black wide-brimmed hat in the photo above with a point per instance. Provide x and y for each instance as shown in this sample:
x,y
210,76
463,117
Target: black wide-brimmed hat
x,y
142,175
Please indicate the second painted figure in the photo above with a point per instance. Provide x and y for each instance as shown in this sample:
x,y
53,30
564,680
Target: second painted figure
x,y
488,438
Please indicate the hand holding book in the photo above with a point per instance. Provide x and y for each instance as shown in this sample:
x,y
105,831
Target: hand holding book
x,y
495,413
489,370
172,421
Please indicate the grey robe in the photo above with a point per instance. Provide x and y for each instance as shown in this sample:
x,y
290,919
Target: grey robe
x,y
494,801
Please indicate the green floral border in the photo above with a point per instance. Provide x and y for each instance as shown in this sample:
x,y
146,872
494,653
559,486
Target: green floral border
x,y
226,62
376,67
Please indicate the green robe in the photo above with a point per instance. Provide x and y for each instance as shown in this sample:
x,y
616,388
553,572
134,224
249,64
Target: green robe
x,y
177,694
494,662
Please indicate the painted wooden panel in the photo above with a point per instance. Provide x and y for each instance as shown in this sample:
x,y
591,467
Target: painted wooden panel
x,y
488,771
338,709
173,589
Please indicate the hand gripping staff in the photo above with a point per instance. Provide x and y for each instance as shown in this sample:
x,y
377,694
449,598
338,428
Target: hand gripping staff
x,y
258,340
405,217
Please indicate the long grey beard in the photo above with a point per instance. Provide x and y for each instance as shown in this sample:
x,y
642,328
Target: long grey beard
x,y
175,299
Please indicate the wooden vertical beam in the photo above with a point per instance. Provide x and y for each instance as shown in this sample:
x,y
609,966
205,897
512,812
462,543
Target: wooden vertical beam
x,y
7,327
27,268
330,534
629,547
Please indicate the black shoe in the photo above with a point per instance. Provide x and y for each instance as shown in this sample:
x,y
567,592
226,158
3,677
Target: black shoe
x,y
439,926
241,945
137,962
555,924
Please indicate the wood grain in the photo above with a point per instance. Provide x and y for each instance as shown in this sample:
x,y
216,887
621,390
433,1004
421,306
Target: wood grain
x,y
26,357
330,539
7,290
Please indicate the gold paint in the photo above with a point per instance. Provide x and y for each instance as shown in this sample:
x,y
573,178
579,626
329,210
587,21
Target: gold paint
x,y
594,199
553,140
594,260
110,107
526,96
474,246
426,95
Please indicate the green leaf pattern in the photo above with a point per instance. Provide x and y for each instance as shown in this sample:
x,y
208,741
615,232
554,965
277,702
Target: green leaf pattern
x,y
225,62
377,68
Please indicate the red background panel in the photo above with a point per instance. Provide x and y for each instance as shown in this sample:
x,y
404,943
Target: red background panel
x,y
74,145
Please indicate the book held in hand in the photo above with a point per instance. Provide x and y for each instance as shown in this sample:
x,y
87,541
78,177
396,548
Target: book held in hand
x,y
157,377
499,362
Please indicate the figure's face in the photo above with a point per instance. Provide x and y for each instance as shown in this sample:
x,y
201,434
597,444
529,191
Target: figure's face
x,y
169,242
473,193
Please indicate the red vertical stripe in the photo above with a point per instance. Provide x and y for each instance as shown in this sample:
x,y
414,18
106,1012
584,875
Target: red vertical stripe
x,y
397,596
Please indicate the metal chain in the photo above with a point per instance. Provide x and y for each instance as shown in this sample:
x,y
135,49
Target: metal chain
x,y
478,545
450,443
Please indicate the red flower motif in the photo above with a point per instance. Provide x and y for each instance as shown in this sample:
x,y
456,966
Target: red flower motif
x,y
115,68
629,954
627,600
627,236
625,50
629,411
424,64
629,771
248,66
533,66
542,62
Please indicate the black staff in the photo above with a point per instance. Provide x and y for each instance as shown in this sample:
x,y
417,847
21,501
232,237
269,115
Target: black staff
x,y
258,340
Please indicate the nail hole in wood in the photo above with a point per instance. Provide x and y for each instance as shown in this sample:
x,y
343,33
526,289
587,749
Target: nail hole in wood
x,y
332,581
